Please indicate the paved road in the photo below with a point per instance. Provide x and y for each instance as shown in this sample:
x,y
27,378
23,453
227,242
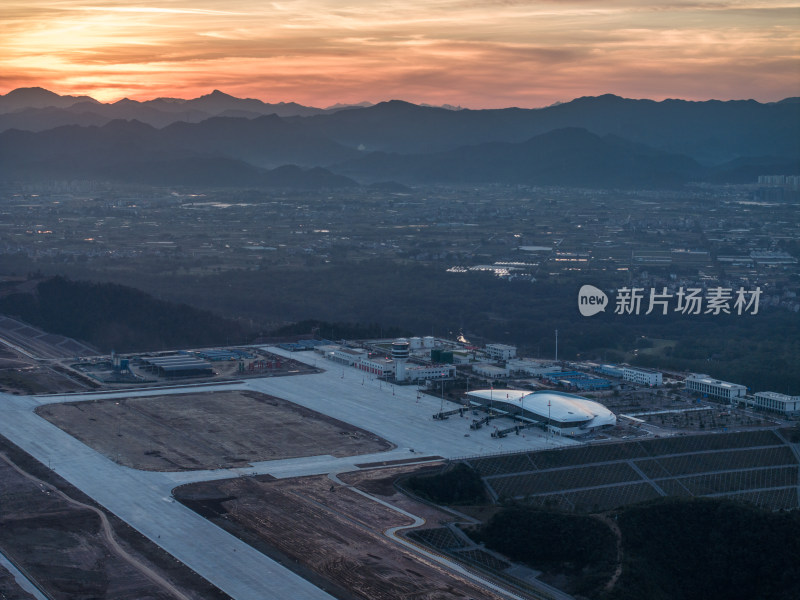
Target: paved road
x,y
143,499
20,578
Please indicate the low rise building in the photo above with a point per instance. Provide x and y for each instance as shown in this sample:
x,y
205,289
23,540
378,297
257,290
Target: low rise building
x,y
642,376
490,371
611,371
348,356
774,401
500,351
534,368
433,372
714,388
380,366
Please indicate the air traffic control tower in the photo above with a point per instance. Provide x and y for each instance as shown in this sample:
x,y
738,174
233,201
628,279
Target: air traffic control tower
x,y
400,352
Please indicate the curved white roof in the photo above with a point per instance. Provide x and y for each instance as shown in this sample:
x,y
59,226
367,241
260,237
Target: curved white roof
x,y
549,404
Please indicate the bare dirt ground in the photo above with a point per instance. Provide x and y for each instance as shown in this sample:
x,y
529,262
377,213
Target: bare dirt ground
x,y
380,483
20,374
332,535
74,549
207,430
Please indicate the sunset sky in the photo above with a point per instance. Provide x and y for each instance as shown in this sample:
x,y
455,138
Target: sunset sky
x,y
478,54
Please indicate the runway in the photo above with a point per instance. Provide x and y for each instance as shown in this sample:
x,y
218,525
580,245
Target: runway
x,y
143,499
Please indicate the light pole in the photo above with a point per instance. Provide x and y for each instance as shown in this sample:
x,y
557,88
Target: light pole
x,y
556,345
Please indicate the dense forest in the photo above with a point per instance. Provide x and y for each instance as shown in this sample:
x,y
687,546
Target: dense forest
x,y
581,547
338,331
708,549
760,351
111,316
672,549
459,484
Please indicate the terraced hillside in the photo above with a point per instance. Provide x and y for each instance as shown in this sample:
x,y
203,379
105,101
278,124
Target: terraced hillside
x,y
760,467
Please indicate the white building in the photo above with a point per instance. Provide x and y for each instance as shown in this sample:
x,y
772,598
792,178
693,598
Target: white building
x,y
611,371
435,372
490,371
382,367
642,376
462,358
721,390
326,351
774,401
348,356
530,367
500,351
564,414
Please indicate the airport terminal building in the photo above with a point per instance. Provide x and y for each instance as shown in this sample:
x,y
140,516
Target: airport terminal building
x,y
565,414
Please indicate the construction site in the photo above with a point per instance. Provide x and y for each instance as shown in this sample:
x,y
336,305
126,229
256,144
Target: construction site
x,y
70,547
285,462
324,528
211,430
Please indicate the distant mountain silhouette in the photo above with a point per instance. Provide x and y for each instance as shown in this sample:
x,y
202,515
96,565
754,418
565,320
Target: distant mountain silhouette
x,y
36,97
747,169
597,141
568,156
36,109
711,132
223,172
265,141
134,152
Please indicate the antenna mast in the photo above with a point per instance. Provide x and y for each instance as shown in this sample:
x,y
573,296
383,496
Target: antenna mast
x,y
556,345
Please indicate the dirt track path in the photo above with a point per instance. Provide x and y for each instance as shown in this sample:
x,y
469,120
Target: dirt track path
x,y
614,527
108,532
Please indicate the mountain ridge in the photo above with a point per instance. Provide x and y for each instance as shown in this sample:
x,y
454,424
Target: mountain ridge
x,y
593,140
710,131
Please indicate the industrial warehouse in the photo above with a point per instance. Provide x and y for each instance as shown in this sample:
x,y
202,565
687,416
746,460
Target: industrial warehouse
x,y
561,413
177,365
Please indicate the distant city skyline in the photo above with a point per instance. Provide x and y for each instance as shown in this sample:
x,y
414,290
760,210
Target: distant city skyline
x,y
489,54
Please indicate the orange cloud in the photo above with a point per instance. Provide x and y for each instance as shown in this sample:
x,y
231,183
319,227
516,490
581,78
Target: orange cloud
x,y
477,54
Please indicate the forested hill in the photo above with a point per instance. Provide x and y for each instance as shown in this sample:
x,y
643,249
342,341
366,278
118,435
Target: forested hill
x,y
672,549
116,317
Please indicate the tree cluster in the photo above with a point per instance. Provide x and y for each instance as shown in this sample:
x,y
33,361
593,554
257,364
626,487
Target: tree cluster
x,y
578,545
709,549
337,331
460,484
672,549
111,316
